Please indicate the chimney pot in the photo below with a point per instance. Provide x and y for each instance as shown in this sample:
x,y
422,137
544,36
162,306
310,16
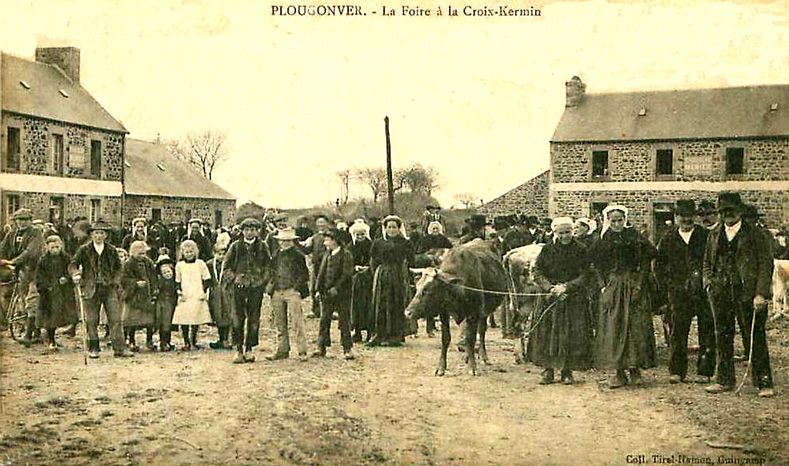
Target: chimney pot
x,y
574,91
65,58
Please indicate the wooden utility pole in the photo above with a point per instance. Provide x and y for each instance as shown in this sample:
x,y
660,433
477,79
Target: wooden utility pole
x,y
389,182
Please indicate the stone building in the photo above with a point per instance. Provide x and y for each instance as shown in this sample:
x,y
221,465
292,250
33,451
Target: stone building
x,y
647,149
159,186
61,152
530,198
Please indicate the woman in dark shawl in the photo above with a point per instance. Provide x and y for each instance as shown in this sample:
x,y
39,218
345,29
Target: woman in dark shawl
x,y
361,302
390,258
625,337
561,333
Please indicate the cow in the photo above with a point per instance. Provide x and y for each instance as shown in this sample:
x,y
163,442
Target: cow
x,y
469,286
519,265
781,289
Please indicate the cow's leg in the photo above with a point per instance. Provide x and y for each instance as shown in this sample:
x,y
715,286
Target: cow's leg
x,y
482,329
471,342
446,337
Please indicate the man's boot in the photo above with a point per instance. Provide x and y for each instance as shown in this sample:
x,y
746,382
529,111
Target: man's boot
x,y
149,339
93,349
164,342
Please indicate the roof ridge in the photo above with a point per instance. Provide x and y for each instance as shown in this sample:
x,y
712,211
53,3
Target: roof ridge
x,y
694,89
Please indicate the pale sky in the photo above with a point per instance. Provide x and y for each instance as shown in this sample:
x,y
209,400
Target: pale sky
x,y
304,97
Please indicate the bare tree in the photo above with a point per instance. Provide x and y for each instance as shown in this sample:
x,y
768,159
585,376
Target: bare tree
x,y
345,177
375,179
468,200
419,179
204,150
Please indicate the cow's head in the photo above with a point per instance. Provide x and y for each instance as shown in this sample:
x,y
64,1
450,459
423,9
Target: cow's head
x,y
434,293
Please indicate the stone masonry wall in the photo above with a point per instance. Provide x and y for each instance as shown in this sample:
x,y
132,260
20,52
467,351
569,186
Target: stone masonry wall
x,y
773,205
37,153
174,208
765,160
530,198
75,205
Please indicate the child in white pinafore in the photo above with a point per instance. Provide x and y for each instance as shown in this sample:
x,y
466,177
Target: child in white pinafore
x,y
192,279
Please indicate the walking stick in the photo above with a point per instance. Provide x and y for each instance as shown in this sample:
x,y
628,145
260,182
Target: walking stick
x,y
84,325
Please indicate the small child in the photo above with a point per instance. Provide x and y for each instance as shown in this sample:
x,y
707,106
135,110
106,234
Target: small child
x,y
165,301
220,299
57,306
192,280
138,293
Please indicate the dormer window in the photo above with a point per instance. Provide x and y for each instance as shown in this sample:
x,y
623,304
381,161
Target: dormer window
x,y
126,162
774,106
63,93
642,112
25,85
160,166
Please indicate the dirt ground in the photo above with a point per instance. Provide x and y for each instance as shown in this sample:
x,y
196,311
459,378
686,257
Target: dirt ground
x,y
384,408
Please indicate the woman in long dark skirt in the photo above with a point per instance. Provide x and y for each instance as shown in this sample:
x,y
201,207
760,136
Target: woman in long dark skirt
x,y
390,258
361,303
561,337
625,339
57,305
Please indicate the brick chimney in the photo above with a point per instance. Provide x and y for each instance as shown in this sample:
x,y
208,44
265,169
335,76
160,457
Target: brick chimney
x,y
65,58
575,90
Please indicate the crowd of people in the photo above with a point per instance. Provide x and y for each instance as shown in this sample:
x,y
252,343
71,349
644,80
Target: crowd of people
x,y
601,280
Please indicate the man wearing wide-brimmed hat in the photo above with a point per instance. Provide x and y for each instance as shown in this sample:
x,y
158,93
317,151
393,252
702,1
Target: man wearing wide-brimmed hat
x,y
678,269
96,268
707,214
738,270
21,248
287,288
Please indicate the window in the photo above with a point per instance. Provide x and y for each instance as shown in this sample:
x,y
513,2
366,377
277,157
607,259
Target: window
x,y
217,218
597,208
599,163
13,151
664,162
95,209
95,158
57,154
12,204
156,215
735,160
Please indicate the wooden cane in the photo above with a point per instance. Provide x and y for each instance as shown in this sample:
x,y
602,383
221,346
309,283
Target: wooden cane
x,y
84,325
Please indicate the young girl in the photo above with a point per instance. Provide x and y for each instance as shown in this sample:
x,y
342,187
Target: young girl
x,y
57,305
138,281
192,280
165,301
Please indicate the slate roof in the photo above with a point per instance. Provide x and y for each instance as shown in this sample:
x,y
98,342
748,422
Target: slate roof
x,y
44,98
734,112
151,170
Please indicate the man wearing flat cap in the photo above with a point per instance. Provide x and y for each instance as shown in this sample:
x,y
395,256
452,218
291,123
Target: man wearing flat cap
x,y
246,267
679,268
96,267
738,270
21,248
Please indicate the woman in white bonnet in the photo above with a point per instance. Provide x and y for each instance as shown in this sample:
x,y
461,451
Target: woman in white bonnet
x,y
362,279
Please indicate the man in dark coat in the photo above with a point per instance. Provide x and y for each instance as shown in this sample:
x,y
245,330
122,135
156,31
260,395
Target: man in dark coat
x,y
334,283
21,249
246,265
738,270
523,234
96,268
316,249
195,233
678,268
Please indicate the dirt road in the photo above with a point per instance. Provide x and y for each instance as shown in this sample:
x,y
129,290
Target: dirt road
x,y
384,408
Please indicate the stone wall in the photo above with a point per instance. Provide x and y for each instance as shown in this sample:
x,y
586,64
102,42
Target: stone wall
x,y
37,153
173,209
773,205
765,160
76,205
530,198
